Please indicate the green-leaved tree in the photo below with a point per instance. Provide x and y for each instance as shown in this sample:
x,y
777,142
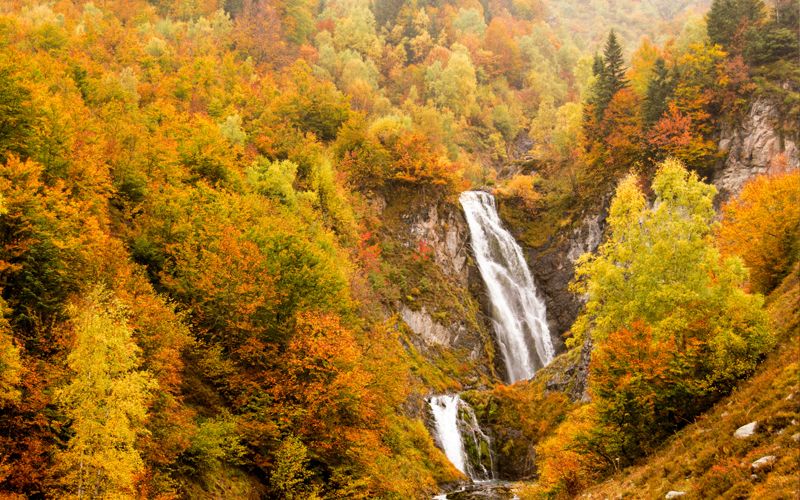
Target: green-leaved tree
x,y
672,327
660,266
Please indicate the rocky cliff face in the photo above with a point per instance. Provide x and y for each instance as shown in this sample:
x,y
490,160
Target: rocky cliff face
x,y
753,146
750,147
450,316
443,228
456,319
553,267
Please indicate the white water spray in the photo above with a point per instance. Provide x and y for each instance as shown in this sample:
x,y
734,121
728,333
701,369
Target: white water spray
x,y
445,416
461,437
518,314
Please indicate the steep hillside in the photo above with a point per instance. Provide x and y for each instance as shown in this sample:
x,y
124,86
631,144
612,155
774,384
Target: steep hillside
x,y
707,459
234,263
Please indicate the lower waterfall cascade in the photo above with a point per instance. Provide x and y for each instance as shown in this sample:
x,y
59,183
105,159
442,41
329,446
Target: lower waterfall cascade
x,y
467,447
445,417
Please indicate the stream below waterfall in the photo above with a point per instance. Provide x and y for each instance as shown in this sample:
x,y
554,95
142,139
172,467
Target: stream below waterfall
x,y
519,318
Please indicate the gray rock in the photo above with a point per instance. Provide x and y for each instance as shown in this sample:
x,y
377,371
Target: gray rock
x,y
674,494
753,147
553,268
746,431
568,373
428,329
447,234
417,222
796,437
585,238
764,463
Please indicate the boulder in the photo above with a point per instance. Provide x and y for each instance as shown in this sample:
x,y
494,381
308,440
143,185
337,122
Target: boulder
x,y
746,431
674,494
764,464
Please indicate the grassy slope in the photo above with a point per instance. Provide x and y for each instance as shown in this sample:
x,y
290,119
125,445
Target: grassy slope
x,y
705,460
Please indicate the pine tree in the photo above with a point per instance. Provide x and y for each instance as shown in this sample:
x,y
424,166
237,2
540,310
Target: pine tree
x,y
614,65
598,66
610,72
659,90
728,20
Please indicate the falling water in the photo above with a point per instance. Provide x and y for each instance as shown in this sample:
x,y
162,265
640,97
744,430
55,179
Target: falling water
x,y
461,438
518,314
445,415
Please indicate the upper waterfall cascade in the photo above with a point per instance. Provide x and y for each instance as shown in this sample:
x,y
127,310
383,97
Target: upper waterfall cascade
x,y
518,313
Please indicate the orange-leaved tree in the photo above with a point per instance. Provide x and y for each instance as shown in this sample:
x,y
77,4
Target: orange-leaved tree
x,y
762,225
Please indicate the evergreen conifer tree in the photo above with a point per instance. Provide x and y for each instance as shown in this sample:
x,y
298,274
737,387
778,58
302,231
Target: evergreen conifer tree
x,y
728,20
659,90
610,71
614,65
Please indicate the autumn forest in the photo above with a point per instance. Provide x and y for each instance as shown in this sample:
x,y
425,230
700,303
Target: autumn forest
x,y
302,249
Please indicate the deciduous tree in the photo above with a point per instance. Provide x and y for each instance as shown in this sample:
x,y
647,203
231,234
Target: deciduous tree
x,y
762,225
660,266
106,402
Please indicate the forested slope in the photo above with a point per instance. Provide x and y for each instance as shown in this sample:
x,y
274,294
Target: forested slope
x,y
707,460
227,228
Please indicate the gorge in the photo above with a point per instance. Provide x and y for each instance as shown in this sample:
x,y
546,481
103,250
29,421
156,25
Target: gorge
x,y
519,322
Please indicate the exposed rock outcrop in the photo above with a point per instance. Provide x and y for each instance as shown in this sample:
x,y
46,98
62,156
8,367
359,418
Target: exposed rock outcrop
x,y
444,230
431,332
753,146
569,373
553,267
440,299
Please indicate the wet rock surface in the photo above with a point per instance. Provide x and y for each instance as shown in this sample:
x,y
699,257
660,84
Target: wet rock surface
x,y
553,268
493,490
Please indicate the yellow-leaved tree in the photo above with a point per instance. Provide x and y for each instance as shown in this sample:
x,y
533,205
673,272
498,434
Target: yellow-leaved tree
x,y
106,402
671,325
10,367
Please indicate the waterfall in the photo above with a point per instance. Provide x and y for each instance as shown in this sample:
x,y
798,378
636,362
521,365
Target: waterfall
x,y
445,416
518,314
454,420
